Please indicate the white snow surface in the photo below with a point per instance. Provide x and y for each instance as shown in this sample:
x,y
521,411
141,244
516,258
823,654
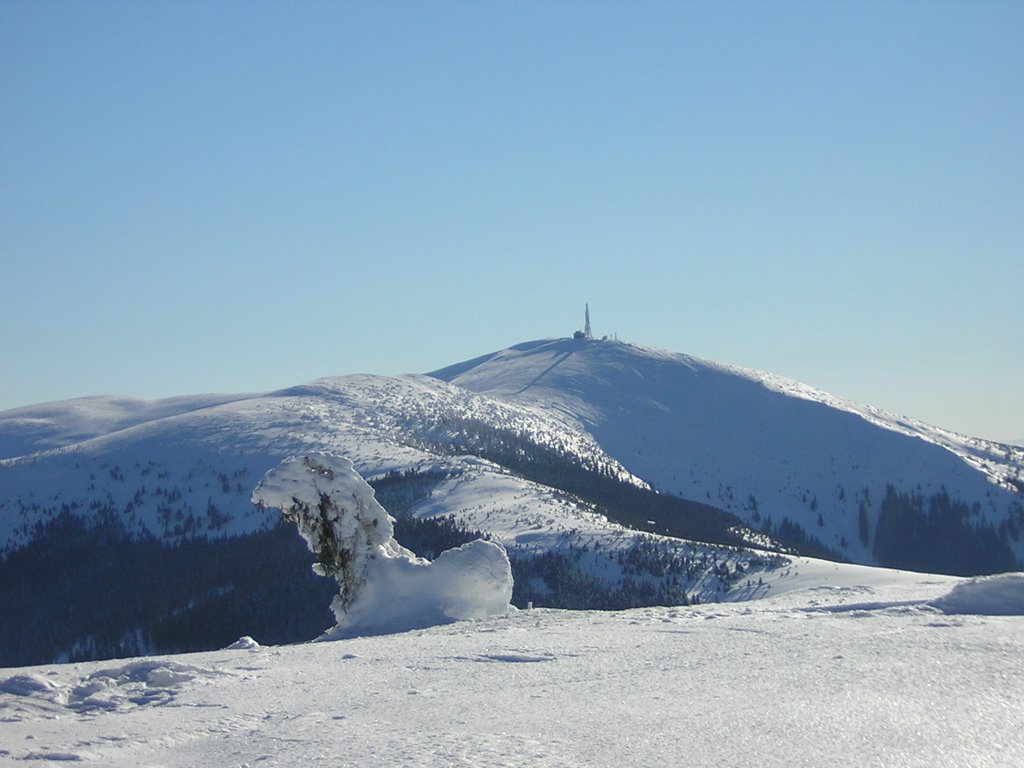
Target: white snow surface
x,y
999,595
49,425
855,673
406,592
384,587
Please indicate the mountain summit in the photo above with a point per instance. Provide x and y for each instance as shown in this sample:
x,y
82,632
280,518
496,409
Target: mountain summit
x,y
771,450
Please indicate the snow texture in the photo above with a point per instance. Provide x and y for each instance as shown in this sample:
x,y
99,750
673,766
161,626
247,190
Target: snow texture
x,y
854,673
1001,595
383,586
244,643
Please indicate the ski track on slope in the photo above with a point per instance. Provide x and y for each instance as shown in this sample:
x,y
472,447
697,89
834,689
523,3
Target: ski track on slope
x,y
887,680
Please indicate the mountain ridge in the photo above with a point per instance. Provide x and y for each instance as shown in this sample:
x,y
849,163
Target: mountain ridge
x,y
658,415
750,442
550,447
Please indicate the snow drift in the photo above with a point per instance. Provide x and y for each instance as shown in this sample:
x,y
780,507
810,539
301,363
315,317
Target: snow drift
x,y
1001,595
383,587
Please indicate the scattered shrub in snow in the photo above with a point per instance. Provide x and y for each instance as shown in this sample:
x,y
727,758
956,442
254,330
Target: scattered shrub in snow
x,y
383,587
795,537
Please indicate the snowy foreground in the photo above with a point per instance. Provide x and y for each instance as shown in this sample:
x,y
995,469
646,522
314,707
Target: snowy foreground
x,y
867,668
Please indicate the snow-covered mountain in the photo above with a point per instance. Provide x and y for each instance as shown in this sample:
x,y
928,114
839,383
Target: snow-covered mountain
x,y
138,513
550,448
160,462
770,449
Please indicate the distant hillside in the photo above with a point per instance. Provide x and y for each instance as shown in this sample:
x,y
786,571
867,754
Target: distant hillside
x,y
782,456
142,539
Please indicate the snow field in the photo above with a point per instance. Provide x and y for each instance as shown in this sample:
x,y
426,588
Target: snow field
x,y
798,680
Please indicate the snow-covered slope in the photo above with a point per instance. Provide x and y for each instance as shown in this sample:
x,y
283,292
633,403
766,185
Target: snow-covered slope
x,y
183,472
164,458
850,674
758,445
50,425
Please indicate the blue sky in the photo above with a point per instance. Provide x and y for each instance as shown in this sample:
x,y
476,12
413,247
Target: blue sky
x,y
200,197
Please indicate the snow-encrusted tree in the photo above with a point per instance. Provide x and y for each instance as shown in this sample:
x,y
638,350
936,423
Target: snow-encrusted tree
x,y
383,586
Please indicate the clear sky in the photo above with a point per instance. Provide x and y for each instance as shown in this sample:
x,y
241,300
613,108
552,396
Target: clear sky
x,y
240,196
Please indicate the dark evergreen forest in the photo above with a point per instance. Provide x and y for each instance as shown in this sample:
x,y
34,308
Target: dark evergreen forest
x,y
83,588
939,534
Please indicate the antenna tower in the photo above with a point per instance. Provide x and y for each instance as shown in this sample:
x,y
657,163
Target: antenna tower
x,y
586,326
